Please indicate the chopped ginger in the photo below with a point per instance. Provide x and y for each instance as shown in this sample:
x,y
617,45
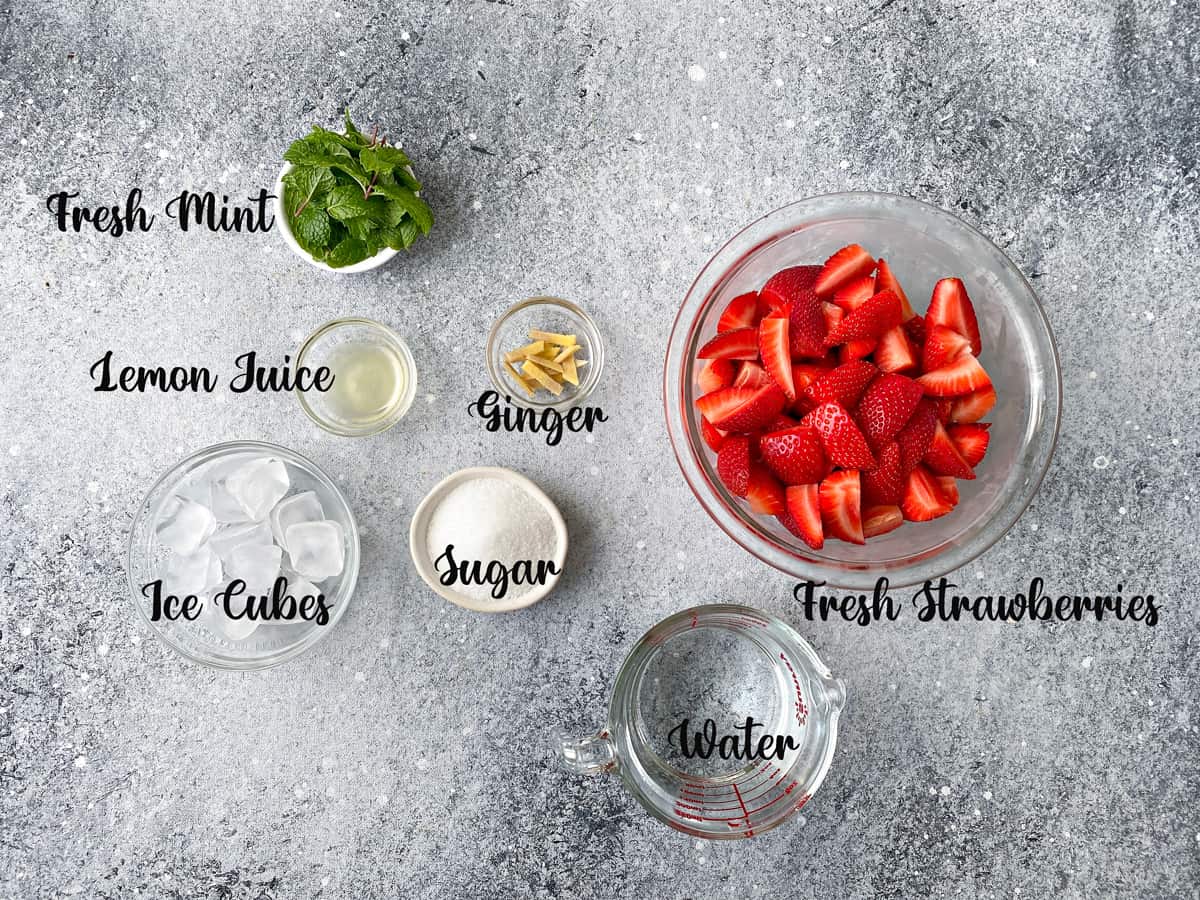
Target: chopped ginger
x,y
528,350
563,340
520,379
566,353
570,371
532,370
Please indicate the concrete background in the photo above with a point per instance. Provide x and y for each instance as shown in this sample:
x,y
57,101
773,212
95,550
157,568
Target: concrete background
x,y
565,148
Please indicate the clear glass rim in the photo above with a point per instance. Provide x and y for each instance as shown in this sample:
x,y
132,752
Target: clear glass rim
x,y
686,441
395,342
595,348
622,709
315,635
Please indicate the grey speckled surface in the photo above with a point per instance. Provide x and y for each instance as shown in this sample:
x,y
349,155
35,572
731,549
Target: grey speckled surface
x,y
565,148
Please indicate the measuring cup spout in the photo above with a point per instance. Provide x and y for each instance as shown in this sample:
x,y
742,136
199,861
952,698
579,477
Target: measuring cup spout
x,y
835,693
587,755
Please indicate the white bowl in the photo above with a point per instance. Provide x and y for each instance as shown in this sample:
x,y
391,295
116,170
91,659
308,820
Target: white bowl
x,y
428,572
285,228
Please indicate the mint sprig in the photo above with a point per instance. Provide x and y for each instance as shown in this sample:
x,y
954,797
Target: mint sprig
x,y
347,196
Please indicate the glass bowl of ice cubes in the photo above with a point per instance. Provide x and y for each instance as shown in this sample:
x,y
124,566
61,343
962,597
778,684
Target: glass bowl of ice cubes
x,y
243,556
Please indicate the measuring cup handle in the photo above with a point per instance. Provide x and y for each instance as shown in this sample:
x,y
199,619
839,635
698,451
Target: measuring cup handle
x,y
587,755
835,693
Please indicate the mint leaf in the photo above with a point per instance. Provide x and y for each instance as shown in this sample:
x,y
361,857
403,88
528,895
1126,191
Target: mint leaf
x,y
347,202
348,252
302,183
402,236
361,227
346,141
383,159
353,133
410,202
312,229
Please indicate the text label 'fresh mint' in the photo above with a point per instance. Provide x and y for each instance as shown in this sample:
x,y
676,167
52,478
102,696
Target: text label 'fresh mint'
x,y
252,376
548,421
187,209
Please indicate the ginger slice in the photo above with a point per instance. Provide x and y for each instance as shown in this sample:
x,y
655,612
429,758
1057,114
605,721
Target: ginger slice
x,y
570,371
566,353
550,365
549,337
520,379
528,350
531,369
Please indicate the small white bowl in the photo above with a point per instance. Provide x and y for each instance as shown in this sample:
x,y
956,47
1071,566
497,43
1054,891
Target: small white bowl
x,y
428,572
285,228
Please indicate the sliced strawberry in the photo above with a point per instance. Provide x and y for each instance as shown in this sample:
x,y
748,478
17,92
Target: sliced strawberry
x,y
879,520
851,262
923,497
841,506
896,352
885,483
942,346
733,464
795,455
741,343
712,435
776,357
962,376
971,441
844,384
949,487
790,285
742,410
852,350
751,374
886,405
943,458
764,492
944,407
853,294
804,374
742,312
972,407
914,438
833,315
804,512
806,328
950,306
915,329
878,314
885,280
843,443
716,374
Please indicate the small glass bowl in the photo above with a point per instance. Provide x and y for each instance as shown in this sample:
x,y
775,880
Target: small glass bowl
x,y
317,350
511,331
922,244
270,644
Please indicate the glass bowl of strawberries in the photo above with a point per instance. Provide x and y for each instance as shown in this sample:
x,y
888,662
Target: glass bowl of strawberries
x,y
862,385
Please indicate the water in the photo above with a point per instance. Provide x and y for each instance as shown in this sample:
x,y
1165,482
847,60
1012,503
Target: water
x,y
317,549
709,673
303,507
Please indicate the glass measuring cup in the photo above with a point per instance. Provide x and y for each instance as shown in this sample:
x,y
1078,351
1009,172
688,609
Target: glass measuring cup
x,y
728,664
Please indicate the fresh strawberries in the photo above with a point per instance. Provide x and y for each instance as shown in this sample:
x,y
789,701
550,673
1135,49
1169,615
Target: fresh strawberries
x,y
886,405
841,506
833,407
773,349
742,312
795,455
843,267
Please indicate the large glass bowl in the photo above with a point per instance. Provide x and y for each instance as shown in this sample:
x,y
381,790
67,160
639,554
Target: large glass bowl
x,y
271,643
922,244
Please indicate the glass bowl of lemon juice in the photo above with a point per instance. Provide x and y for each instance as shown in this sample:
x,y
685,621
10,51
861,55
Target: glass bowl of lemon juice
x,y
374,377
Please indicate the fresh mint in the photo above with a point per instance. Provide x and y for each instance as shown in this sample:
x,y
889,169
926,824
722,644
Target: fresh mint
x,y
347,196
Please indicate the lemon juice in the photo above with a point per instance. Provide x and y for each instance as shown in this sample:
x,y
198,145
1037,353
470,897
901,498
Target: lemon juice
x,y
369,380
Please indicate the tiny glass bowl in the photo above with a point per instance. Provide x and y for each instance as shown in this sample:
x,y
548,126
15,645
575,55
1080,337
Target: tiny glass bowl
x,y
511,332
271,643
921,244
321,349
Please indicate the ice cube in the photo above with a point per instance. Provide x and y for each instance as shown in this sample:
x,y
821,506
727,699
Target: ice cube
x,y
255,564
257,486
316,549
292,511
233,629
183,525
191,573
196,488
224,508
299,588
228,539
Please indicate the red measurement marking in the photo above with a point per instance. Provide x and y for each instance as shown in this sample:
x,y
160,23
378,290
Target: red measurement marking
x,y
800,803
745,812
694,621
801,709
